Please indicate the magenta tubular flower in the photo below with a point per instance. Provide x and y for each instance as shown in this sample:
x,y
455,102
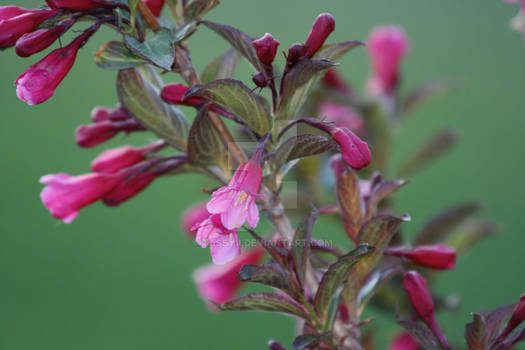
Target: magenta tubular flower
x,y
387,46
342,116
91,135
421,300
404,341
437,256
12,28
174,94
80,5
224,243
334,81
266,48
355,152
236,202
155,6
219,284
323,26
100,114
7,12
116,159
39,40
38,83
193,216
65,195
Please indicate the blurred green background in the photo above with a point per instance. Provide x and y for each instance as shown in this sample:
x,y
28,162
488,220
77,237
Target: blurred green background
x,y
119,278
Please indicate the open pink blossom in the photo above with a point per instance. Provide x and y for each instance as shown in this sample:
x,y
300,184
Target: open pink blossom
x,y
437,256
220,283
38,83
404,341
236,202
115,159
342,116
224,243
15,22
65,195
387,46
193,216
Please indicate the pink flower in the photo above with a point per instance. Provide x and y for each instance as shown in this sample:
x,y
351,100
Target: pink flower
x,y
15,22
404,341
38,83
421,300
174,94
323,26
342,116
65,195
266,48
355,152
193,216
99,114
295,53
236,202
155,6
39,40
91,135
387,46
115,159
224,243
80,5
220,283
333,80
437,256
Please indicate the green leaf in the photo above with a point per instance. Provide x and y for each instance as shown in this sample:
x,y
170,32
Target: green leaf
x,y
183,32
205,145
310,340
301,245
141,98
333,52
235,97
438,228
114,55
239,40
197,8
433,148
158,50
271,274
334,278
377,232
350,203
132,4
221,67
297,84
303,145
270,302
422,333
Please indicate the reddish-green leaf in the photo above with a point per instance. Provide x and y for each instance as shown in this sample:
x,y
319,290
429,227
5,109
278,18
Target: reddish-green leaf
x,y
157,50
422,333
270,302
423,92
271,274
114,55
379,190
197,8
303,145
301,244
350,203
333,52
309,341
221,67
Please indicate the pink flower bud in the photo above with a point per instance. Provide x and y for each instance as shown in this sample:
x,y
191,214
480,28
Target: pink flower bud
x,y
295,53
342,116
333,80
236,202
12,28
38,83
100,114
7,12
387,46
91,135
65,195
80,5
323,26
266,48
155,6
39,40
220,283
193,216
260,80
437,256
421,300
355,152
115,159
404,341
174,94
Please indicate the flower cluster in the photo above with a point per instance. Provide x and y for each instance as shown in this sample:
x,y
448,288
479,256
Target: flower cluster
x,y
306,119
